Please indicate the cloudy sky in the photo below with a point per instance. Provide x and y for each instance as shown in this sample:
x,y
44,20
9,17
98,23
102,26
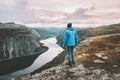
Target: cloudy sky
x,y
60,12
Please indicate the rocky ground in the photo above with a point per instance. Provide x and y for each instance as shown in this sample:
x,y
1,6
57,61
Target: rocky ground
x,y
65,72
98,59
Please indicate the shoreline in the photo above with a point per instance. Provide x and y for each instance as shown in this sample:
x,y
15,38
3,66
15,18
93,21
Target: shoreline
x,y
56,61
46,57
60,55
12,65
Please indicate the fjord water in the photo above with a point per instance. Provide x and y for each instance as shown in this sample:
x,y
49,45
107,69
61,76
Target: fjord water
x,y
53,51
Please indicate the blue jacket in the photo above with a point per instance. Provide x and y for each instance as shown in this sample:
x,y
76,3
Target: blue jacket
x,y
70,37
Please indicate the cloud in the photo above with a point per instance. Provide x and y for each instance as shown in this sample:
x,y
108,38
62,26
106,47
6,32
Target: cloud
x,y
48,16
79,14
17,12
58,12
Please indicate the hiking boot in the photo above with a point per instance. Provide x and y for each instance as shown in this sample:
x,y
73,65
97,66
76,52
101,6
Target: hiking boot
x,y
73,62
69,64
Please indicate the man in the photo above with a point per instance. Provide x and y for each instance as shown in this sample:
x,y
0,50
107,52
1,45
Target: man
x,y
70,40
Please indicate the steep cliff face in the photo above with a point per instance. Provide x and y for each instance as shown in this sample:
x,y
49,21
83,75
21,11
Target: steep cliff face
x,y
17,40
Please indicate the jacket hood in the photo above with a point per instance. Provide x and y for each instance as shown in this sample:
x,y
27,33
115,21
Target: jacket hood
x,y
71,29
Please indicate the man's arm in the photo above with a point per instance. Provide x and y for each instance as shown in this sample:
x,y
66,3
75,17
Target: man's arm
x,y
76,38
65,40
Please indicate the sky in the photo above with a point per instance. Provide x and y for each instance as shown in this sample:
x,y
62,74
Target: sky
x,y
56,13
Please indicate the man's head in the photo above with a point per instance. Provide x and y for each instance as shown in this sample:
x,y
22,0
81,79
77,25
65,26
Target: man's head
x,y
69,25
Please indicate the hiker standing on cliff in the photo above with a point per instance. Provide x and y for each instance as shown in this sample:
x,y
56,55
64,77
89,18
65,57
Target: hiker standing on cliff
x,y
70,40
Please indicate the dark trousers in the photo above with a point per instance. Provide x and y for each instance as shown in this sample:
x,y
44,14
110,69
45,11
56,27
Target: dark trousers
x,y
70,53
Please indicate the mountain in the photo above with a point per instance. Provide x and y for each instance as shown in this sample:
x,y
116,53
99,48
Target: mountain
x,y
19,46
48,32
97,57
